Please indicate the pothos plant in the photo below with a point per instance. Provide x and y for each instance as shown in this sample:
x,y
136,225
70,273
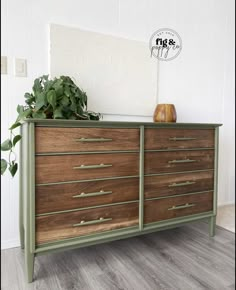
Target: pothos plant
x,y
58,98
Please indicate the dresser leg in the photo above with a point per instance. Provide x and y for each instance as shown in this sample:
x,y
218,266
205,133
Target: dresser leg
x,y
29,266
212,226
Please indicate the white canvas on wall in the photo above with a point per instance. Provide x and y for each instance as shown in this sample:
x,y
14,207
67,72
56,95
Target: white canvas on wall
x,y
118,75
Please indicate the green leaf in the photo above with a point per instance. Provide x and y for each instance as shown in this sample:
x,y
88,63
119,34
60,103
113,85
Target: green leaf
x,y
57,114
58,87
67,91
27,112
16,139
37,87
52,98
57,83
45,77
67,80
80,110
3,166
85,98
23,114
6,145
20,109
77,95
39,115
59,91
93,115
73,89
65,101
30,101
40,101
13,168
28,95
73,105
66,112
48,85
15,125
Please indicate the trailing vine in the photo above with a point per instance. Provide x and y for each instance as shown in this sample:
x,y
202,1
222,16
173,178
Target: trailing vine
x,y
58,98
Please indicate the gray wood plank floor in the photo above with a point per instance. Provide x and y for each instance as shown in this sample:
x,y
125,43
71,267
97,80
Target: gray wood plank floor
x,y
183,258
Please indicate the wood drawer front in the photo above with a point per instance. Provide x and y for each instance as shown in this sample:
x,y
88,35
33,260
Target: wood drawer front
x,y
85,139
178,161
179,138
78,167
165,185
173,207
60,197
68,225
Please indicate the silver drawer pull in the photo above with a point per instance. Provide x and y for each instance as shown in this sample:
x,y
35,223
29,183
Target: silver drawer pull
x,y
98,221
174,207
93,140
101,192
181,184
92,166
181,138
182,161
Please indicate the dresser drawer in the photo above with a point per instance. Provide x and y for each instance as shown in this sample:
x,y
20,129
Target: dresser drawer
x,y
173,207
178,138
172,184
178,161
85,139
82,167
57,227
51,198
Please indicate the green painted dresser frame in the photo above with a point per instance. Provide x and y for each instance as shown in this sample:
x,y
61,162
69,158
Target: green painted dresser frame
x,y
27,191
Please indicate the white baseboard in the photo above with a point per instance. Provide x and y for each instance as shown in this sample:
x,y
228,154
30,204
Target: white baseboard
x,y
8,244
226,203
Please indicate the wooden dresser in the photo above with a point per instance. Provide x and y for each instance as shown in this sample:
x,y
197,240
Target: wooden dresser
x,y
89,182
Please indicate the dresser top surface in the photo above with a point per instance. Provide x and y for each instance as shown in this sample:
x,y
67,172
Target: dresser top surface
x,y
116,124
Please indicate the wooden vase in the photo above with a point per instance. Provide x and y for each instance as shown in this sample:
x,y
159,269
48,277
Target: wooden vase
x,y
165,113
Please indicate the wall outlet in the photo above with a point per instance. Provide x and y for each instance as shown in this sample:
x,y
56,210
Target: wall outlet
x,y
3,65
20,67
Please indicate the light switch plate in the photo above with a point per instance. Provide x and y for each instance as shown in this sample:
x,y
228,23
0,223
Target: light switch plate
x,y
3,65
20,67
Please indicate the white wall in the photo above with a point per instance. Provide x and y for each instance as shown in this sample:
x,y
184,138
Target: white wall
x,y
200,81
227,134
